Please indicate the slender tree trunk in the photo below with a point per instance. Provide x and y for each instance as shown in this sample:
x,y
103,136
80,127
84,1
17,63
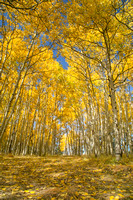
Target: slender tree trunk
x,y
131,122
112,94
115,120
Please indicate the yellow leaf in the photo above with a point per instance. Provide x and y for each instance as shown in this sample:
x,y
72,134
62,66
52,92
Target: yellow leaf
x,y
32,192
121,195
26,190
30,91
111,198
79,186
117,198
29,197
85,193
31,186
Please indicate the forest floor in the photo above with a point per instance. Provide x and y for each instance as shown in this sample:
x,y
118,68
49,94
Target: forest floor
x,y
65,178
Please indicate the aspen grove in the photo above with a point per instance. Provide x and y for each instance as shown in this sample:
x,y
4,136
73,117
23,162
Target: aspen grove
x,y
85,109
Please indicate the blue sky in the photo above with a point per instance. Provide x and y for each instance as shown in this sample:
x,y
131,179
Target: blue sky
x,y
62,61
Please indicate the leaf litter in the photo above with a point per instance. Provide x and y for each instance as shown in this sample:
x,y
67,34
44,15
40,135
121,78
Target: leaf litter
x,y
59,177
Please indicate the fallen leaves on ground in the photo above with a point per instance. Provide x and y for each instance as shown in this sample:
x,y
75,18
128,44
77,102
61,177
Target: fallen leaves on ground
x,y
65,178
